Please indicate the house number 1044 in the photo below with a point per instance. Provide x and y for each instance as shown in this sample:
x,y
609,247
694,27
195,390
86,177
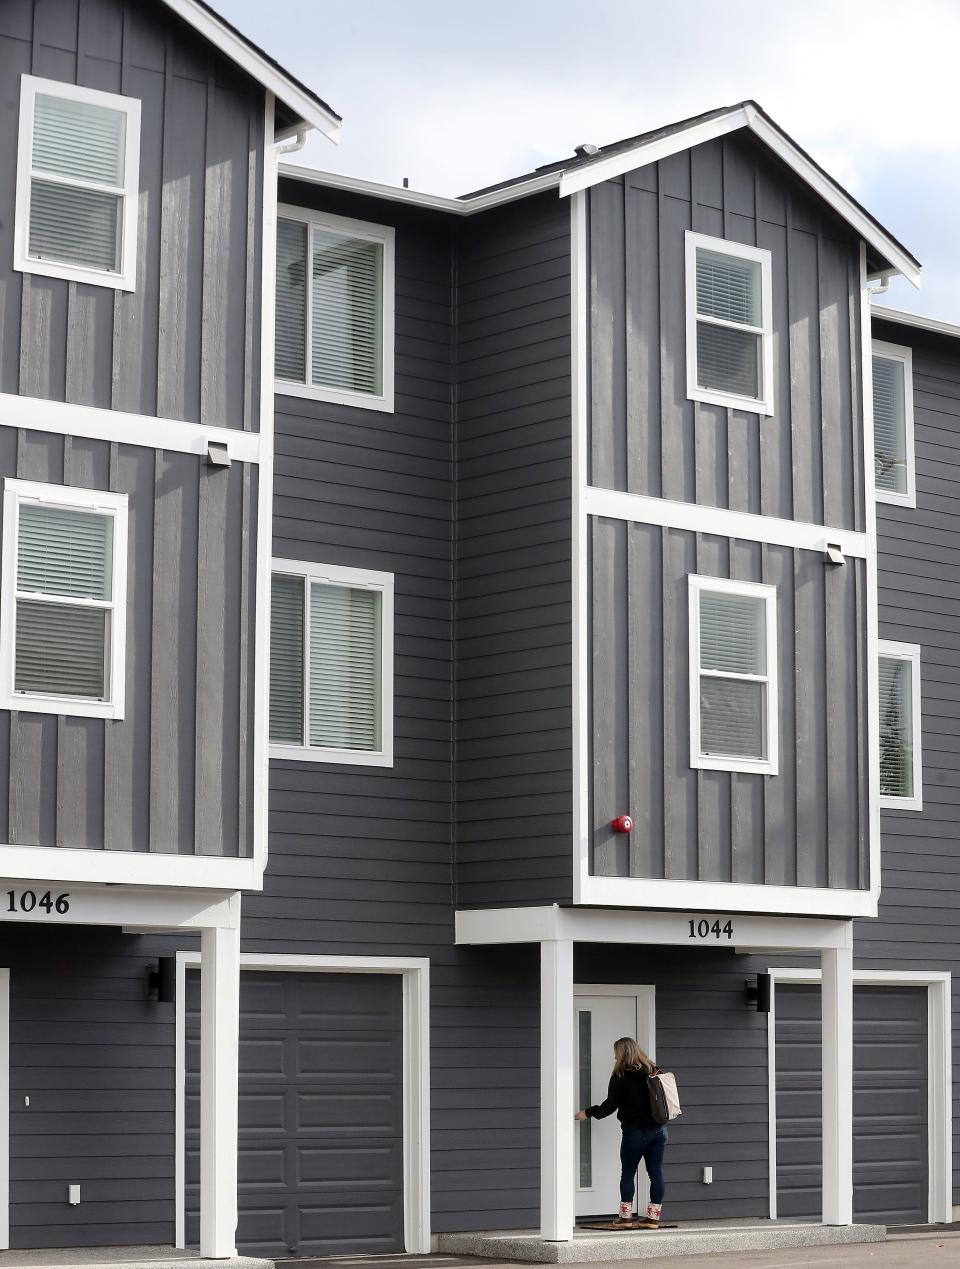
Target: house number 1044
x,y
704,929
30,901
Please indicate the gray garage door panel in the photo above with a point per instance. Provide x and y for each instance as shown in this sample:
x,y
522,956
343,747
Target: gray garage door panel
x,y
890,1163
321,1114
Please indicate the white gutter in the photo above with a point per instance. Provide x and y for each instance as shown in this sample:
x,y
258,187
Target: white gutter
x,y
932,324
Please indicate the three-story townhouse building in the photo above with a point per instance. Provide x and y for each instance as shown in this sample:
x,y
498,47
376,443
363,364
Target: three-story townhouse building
x,y
585,706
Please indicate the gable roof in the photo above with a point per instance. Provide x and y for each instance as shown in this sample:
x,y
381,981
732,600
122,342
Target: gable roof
x,y
303,105
576,173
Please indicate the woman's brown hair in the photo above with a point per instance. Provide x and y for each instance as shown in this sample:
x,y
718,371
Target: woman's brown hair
x,y
628,1056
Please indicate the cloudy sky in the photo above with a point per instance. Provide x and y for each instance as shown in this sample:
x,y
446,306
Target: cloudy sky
x,y
457,95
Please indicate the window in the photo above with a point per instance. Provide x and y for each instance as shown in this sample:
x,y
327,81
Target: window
x,y
62,638
733,676
729,316
78,178
331,664
893,424
899,677
334,329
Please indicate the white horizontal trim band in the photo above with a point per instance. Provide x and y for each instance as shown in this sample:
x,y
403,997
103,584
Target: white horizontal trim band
x,y
95,424
725,896
132,868
697,518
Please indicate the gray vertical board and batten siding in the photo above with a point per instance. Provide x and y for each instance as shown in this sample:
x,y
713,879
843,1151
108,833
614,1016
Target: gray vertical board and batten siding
x,y
806,826
156,780
804,463
185,344
514,799
920,603
361,859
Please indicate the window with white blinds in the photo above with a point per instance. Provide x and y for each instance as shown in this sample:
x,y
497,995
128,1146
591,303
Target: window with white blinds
x,y
331,656
334,321
733,676
899,712
64,591
77,183
894,473
729,312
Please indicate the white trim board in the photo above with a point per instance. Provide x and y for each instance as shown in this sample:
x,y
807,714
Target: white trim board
x,y
695,517
125,907
939,1070
129,868
496,926
416,1072
934,325
4,1109
95,424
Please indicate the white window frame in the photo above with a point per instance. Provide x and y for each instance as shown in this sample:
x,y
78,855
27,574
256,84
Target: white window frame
x,y
359,579
386,236
124,279
762,405
15,494
753,590
909,652
901,353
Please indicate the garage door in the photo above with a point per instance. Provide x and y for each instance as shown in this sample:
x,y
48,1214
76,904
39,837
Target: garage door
x,y
321,1122
890,1165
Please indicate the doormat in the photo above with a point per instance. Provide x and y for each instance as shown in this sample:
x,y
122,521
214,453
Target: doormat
x,y
619,1226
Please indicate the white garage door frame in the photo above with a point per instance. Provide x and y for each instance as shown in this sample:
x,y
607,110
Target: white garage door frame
x,y
939,1075
415,972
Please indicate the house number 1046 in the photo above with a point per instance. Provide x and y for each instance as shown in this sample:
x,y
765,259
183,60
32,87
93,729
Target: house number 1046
x,y
704,929
29,901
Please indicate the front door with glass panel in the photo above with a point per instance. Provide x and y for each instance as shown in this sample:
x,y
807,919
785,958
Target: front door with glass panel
x,y
602,1016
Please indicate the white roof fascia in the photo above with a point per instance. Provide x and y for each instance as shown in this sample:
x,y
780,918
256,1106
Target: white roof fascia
x,y
932,324
746,116
651,151
435,202
290,93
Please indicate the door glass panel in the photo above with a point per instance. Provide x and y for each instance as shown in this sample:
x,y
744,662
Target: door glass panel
x,y
586,1085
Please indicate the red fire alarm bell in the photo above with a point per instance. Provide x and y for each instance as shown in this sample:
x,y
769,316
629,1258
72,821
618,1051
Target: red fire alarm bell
x,y
622,824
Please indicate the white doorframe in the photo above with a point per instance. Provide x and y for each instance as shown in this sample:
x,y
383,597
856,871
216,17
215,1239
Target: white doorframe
x,y
939,1075
4,1109
415,973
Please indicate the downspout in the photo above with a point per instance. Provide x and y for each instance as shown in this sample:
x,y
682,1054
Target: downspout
x,y
296,145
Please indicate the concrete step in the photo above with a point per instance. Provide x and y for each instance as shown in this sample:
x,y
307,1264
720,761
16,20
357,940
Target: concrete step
x,y
698,1240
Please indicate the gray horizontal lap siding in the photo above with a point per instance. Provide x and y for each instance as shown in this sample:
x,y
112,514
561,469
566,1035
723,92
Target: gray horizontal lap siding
x,y
185,344
513,572
173,775
920,603
95,1058
805,462
361,859
806,826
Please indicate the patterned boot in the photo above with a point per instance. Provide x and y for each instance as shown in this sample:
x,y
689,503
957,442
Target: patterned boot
x,y
652,1218
626,1212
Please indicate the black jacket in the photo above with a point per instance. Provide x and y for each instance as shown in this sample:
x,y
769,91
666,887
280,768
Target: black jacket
x,y
629,1096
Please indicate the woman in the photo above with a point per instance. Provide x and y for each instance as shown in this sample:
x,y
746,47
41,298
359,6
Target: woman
x,y
643,1138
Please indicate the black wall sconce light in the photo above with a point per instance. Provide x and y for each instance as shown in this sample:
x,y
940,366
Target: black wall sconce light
x,y
162,981
759,993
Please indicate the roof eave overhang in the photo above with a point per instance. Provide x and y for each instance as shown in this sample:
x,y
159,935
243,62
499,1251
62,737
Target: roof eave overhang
x,y
287,90
747,116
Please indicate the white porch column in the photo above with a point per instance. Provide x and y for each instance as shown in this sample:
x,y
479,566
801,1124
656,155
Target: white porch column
x,y
556,1090
837,1048
219,1039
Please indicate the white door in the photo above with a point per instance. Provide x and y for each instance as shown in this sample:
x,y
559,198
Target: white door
x,y
603,1015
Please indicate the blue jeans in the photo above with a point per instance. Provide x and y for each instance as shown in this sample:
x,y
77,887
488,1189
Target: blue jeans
x,y
647,1144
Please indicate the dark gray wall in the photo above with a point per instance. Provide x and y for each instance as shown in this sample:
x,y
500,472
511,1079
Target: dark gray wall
x,y
920,603
185,344
174,775
513,614
807,826
96,1060
361,860
805,462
